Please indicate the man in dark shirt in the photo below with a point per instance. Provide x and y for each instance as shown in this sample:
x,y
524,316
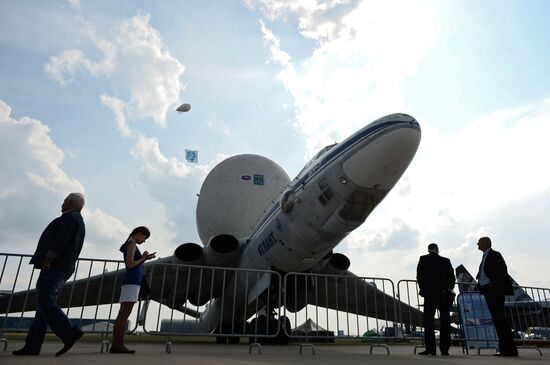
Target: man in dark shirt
x,y
436,279
56,255
495,284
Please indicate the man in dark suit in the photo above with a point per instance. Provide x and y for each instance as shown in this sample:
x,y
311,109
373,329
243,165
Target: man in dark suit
x,y
495,284
436,280
56,254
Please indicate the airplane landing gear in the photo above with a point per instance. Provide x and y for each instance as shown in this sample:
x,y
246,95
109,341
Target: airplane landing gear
x,y
262,325
225,329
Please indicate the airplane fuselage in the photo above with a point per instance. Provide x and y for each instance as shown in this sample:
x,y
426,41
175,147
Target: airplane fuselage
x,y
332,196
329,198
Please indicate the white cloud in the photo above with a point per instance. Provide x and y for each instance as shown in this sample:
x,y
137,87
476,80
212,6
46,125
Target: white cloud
x,y
156,164
357,73
29,155
277,55
118,107
104,225
75,4
353,76
147,69
488,178
215,124
135,60
61,68
490,162
319,20
33,186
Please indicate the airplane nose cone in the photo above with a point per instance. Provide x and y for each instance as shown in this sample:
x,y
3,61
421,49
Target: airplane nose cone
x,y
381,162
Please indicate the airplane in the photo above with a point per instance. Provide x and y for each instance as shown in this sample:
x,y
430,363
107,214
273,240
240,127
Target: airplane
x,y
523,310
251,216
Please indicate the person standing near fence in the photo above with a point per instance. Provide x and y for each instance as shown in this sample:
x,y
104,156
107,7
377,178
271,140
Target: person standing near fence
x,y
131,283
495,284
436,280
56,254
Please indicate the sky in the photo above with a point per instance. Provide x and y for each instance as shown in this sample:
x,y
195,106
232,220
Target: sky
x,y
88,91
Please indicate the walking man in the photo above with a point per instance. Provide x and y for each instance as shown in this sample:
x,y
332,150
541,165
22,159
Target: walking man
x,y
436,279
58,249
495,284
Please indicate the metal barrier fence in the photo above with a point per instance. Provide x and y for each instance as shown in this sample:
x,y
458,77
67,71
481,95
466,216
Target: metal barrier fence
x,y
184,299
343,307
90,298
527,311
530,313
412,322
229,303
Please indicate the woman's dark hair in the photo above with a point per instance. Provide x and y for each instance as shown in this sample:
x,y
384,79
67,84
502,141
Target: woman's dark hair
x,y
141,229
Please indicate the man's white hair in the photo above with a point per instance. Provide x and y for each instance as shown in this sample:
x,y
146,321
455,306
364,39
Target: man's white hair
x,y
76,200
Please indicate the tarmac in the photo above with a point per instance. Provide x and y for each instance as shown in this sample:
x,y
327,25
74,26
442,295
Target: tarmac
x,y
84,353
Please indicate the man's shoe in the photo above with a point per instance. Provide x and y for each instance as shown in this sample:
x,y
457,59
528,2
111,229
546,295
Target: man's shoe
x,y
445,354
69,343
426,353
24,352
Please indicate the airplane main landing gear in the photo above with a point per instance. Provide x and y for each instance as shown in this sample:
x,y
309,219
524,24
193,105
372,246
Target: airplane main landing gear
x,y
265,329
225,329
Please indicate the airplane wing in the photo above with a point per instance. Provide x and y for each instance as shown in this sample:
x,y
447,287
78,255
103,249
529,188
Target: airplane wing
x,y
351,294
171,285
95,290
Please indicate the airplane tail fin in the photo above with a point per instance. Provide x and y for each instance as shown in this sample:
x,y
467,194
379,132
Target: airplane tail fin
x,y
466,281
520,295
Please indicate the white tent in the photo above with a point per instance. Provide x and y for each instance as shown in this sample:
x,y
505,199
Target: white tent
x,y
308,327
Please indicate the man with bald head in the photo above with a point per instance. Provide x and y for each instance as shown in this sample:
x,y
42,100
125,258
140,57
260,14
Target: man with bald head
x,y
495,284
56,254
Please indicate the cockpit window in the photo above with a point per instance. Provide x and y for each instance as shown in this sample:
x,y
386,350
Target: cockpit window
x,y
317,155
323,151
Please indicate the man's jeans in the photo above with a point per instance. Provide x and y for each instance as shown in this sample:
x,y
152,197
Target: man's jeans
x,y
49,284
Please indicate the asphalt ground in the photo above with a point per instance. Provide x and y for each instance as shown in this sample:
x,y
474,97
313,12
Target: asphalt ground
x,y
88,352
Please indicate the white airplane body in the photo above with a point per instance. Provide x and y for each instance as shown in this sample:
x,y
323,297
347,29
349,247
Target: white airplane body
x,y
308,216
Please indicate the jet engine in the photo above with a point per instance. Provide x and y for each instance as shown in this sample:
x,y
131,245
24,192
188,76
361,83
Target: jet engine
x,y
337,264
220,251
189,253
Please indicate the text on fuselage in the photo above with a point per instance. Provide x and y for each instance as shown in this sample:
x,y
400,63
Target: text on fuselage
x,y
267,244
